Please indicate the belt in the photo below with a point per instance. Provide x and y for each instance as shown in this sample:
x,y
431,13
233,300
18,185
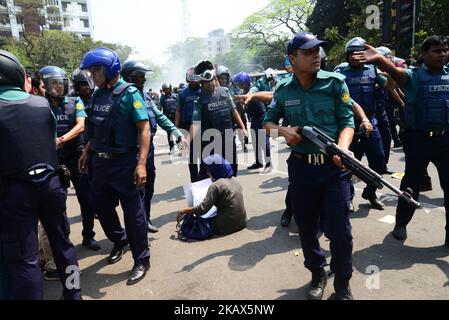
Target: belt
x,y
110,155
436,133
315,159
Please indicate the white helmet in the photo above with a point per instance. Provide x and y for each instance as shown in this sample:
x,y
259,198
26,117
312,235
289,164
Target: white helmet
x,y
269,73
384,51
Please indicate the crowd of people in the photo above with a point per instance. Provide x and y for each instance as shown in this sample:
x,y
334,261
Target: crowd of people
x,y
96,130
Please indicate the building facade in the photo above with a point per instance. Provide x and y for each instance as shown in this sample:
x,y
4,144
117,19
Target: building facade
x,y
218,43
31,16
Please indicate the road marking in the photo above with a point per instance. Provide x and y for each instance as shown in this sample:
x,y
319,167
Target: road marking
x,y
388,219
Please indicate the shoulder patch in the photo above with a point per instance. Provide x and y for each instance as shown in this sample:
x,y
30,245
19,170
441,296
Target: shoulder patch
x,y
79,106
137,104
345,97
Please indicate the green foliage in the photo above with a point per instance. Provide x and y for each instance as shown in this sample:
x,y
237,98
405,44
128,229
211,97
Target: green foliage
x,y
58,48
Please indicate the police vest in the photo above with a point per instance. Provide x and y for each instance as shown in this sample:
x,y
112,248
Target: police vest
x,y
65,121
109,130
188,97
362,86
27,136
151,114
169,104
431,109
216,111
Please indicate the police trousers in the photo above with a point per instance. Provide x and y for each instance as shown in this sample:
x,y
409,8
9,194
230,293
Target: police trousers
x,y
320,195
421,150
372,146
20,210
81,183
113,182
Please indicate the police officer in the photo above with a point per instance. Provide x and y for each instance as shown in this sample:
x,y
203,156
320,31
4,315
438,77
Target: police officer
x,y
31,188
426,118
119,138
266,83
184,112
361,80
256,113
137,72
214,117
320,187
168,103
225,80
83,86
70,116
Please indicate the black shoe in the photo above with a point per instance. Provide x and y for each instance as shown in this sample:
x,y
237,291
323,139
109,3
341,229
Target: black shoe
x,y
426,185
116,254
255,166
91,244
137,273
286,218
375,203
151,228
51,275
319,282
388,171
400,233
342,289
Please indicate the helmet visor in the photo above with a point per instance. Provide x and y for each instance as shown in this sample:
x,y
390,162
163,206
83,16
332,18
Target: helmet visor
x,y
57,87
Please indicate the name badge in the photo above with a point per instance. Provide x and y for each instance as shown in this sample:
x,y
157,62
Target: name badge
x,y
292,103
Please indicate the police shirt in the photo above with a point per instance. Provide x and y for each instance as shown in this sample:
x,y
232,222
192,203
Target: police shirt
x,y
325,105
132,104
261,85
165,122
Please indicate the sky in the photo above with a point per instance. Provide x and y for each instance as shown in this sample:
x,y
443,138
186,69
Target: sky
x,y
149,27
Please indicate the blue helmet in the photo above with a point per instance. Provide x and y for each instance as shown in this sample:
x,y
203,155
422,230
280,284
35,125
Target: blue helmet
x,y
55,81
106,58
242,78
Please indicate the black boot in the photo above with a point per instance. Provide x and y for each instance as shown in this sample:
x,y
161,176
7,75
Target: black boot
x,y
319,281
375,203
286,218
342,289
400,233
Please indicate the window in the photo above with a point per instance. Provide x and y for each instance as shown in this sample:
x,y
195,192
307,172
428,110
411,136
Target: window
x,y
86,23
83,7
4,18
64,6
3,3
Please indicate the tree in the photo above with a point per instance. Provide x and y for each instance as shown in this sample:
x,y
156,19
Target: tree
x,y
54,47
265,34
273,25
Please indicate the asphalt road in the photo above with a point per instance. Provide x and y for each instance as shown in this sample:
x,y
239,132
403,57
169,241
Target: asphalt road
x,y
265,261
